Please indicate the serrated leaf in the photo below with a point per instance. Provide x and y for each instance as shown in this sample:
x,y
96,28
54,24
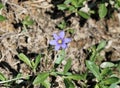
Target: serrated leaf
x,y
2,18
60,58
41,78
94,69
101,45
2,77
37,61
102,10
111,80
84,14
25,59
1,5
107,64
68,83
67,66
62,7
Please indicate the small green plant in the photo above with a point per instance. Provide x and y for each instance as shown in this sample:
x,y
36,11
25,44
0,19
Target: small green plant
x,y
27,22
104,76
85,9
62,25
31,64
74,6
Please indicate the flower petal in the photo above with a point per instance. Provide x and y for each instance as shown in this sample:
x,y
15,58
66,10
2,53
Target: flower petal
x,y
67,40
53,42
64,46
56,37
57,47
62,34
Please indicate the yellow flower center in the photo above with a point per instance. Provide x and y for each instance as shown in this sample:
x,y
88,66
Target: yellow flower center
x,y
60,41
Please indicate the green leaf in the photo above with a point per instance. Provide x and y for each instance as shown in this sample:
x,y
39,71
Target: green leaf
x,y
94,69
118,2
107,65
67,2
37,61
62,7
80,2
102,10
105,72
2,77
25,59
67,66
2,18
60,58
97,86
75,77
101,45
68,83
1,5
113,85
27,21
75,3
62,25
111,80
72,31
62,73
72,8
41,78
84,14
46,84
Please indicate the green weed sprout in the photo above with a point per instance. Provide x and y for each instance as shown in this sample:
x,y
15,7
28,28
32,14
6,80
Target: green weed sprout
x,y
85,9
2,18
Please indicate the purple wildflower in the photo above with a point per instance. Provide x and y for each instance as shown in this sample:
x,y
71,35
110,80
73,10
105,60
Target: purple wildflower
x,y
60,41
